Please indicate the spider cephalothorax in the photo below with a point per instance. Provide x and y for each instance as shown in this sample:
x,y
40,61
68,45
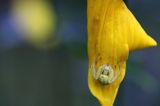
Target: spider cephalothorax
x,y
105,74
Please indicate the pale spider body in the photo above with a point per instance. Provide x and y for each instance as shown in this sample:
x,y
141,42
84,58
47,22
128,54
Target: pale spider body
x,y
105,74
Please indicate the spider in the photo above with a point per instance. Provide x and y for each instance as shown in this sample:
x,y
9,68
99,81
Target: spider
x,y
105,74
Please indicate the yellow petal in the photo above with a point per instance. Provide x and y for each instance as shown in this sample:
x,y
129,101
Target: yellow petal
x,y
137,38
106,93
112,32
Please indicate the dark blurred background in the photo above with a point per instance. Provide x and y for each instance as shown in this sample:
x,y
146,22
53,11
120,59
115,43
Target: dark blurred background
x,y
43,55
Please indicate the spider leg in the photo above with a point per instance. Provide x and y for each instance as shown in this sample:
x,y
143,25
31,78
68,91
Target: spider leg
x,y
93,71
113,79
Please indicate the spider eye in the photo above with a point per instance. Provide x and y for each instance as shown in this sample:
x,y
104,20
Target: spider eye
x,y
105,72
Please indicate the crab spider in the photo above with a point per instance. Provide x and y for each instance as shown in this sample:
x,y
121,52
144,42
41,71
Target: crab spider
x,y
105,74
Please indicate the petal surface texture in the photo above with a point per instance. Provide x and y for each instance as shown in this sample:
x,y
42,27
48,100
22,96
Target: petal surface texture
x,y
113,31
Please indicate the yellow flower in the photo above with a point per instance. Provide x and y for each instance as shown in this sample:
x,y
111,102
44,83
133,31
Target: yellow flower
x,y
113,31
36,20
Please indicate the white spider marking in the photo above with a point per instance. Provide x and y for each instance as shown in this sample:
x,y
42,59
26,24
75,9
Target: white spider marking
x,y
105,73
